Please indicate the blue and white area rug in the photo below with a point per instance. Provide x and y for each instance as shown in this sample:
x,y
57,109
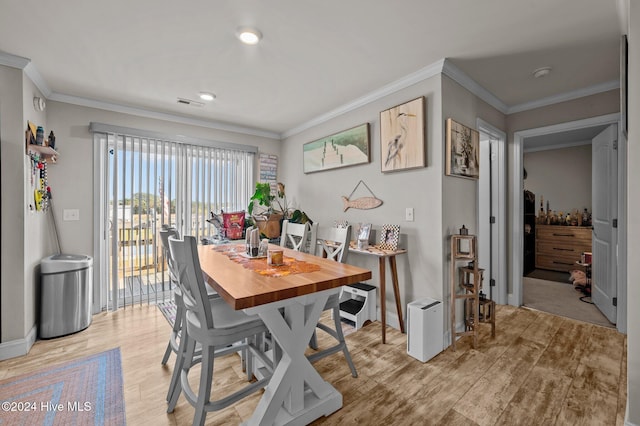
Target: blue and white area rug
x,y
86,391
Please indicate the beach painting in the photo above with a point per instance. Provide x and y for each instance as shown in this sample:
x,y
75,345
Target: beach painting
x,y
346,148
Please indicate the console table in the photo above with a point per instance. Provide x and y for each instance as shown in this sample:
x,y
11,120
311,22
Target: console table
x,y
382,255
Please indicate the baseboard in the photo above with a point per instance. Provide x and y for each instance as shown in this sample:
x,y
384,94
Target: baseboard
x,y
392,319
20,347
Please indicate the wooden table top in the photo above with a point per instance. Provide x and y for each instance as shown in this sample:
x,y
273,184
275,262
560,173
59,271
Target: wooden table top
x,y
243,288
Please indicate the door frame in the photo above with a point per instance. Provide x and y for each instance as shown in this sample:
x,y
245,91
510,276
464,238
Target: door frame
x,y
517,237
498,189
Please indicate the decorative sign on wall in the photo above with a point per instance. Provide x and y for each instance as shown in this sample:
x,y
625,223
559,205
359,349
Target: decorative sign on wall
x,y
362,203
269,169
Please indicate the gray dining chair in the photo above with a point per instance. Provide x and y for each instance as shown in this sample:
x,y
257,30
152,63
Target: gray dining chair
x,y
178,323
333,243
218,329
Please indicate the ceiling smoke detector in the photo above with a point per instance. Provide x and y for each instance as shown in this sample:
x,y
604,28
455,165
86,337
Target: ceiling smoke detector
x,y
541,72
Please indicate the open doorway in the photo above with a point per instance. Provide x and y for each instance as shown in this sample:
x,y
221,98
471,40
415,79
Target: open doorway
x,y
557,196
536,142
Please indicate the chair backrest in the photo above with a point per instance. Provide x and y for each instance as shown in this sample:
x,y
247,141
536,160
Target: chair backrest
x,y
334,243
165,233
313,237
191,280
294,235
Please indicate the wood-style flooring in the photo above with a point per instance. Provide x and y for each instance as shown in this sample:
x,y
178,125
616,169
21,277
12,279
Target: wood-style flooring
x,y
540,369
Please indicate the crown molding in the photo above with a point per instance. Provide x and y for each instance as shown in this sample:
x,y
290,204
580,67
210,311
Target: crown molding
x,y
409,80
443,66
527,150
567,96
13,61
141,112
31,72
460,77
28,68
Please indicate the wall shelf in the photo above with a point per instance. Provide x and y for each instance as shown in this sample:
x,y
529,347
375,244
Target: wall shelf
x,y
44,151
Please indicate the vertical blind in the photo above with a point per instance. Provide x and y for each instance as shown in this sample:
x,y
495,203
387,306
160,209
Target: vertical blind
x,y
151,182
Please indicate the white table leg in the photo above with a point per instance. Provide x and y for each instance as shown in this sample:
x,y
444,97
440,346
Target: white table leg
x,y
296,393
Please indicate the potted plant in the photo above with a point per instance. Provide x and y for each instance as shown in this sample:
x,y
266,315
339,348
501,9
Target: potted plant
x,y
275,210
268,220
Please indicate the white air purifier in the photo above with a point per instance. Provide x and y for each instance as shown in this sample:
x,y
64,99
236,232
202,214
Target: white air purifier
x,y
425,329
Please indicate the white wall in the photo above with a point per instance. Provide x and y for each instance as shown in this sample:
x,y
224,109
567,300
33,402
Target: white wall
x,y
459,195
560,176
420,271
12,128
38,241
72,177
633,225
442,204
27,237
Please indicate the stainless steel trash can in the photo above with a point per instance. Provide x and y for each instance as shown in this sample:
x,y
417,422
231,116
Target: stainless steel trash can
x,y
66,294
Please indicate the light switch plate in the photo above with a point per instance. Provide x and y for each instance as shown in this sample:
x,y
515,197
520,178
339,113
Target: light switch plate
x,y
408,214
70,214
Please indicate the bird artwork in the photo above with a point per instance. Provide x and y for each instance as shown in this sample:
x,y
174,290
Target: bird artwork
x,y
402,136
395,146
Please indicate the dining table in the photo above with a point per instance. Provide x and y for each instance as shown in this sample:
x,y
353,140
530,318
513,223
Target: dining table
x,y
289,298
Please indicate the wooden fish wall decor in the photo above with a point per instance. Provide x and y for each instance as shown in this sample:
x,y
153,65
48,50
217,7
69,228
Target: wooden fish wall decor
x,y
362,203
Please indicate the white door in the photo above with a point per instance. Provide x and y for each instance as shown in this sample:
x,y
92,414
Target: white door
x,y
491,202
485,206
604,216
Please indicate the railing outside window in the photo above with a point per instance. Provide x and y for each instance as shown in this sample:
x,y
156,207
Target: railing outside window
x,y
147,183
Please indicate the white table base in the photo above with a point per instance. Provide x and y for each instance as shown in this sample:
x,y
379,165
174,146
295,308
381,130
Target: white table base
x,y
296,393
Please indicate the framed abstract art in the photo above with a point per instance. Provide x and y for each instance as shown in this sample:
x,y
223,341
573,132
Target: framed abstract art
x,y
462,150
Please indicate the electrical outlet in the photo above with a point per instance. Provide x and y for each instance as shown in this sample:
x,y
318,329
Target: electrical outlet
x,y
70,214
408,214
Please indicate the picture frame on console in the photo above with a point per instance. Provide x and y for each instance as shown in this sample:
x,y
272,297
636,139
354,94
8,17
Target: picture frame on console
x,y
389,237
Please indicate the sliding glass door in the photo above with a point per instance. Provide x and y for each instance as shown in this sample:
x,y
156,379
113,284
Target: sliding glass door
x,y
146,183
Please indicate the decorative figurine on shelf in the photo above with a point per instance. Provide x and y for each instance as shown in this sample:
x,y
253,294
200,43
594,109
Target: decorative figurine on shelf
x,y
52,140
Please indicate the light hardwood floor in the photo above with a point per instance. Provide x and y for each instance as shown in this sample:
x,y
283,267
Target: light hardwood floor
x,y
539,370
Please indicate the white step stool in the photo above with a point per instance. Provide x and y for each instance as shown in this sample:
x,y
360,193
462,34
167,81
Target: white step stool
x,y
358,303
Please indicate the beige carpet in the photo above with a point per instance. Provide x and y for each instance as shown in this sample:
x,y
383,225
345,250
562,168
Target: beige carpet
x,y
560,299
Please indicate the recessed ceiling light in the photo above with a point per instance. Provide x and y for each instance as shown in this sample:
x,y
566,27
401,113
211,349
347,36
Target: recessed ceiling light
x,y
206,96
249,35
541,72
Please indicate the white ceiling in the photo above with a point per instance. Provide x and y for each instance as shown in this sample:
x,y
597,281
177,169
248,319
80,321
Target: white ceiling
x,y
314,58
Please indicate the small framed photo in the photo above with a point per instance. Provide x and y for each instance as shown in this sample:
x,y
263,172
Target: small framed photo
x,y
463,156
389,237
364,231
342,223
